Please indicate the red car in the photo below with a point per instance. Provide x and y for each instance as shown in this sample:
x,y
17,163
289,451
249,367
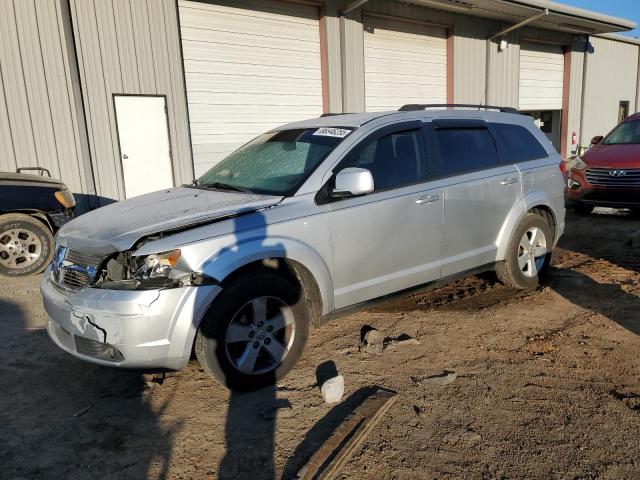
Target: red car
x,y
608,174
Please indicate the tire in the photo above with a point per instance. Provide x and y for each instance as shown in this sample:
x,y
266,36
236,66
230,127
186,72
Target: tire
x,y
511,272
231,331
26,245
582,209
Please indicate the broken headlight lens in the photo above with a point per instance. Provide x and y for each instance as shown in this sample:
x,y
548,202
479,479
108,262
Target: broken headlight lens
x,y
158,265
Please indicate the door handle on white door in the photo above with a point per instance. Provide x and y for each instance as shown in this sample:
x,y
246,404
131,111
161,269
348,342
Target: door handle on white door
x,y
125,156
428,199
509,181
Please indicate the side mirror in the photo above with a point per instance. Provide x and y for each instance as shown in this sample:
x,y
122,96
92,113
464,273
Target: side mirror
x,y
596,139
353,181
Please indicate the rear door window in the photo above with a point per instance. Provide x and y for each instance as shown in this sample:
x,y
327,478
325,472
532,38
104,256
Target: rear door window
x,y
517,144
464,149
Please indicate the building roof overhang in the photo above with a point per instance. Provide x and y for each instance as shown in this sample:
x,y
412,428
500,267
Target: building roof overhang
x,y
561,17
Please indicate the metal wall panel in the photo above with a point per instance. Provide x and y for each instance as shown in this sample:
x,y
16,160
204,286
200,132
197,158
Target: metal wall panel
x,y
611,76
575,96
41,120
129,47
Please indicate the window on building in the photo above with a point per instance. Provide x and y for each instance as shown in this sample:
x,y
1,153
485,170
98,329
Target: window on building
x,y
465,150
623,110
517,143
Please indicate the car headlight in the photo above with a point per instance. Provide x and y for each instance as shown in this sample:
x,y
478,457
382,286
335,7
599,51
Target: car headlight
x,y
158,265
578,164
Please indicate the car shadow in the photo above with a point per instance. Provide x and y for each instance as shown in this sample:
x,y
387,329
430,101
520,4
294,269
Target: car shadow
x,y
603,235
61,417
251,415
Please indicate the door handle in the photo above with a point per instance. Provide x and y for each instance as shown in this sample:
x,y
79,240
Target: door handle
x,y
428,199
509,181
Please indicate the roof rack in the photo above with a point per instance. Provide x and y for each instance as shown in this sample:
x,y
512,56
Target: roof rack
x,y
412,107
334,114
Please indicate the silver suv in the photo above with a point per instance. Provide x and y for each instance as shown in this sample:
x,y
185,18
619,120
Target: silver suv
x,y
307,220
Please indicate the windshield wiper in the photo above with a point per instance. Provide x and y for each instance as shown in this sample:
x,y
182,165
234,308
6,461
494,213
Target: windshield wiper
x,y
224,186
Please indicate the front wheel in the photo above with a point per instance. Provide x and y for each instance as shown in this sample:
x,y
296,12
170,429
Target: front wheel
x,y
26,245
254,333
528,254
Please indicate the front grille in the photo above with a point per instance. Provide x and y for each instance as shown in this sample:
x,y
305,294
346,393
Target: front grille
x,y
73,270
614,177
92,348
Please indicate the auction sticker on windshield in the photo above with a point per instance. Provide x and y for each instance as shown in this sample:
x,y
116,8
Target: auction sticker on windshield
x,y
332,132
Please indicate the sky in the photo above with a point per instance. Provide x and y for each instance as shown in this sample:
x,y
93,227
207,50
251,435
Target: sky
x,y
629,9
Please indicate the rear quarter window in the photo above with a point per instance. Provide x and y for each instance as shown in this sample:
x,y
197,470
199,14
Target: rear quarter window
x,y
517,144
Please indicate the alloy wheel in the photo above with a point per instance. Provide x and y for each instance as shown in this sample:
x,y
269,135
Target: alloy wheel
x,y
532,251
19,248
260,335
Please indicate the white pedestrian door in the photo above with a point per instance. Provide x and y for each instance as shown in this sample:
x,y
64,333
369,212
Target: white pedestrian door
x,y
144,143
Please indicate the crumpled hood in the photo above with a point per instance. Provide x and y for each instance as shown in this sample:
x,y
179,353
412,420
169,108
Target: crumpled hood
x,y
118,226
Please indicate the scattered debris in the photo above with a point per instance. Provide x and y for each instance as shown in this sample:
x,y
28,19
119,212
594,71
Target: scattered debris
x,y
401,340
539,345
333,389
332,455
371,340
629,397
444,378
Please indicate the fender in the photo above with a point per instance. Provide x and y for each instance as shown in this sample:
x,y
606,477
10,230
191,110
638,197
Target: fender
x,y
530,200
228,260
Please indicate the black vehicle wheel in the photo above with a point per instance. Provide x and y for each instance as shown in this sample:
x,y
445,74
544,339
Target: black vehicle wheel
x,y
254,333
26,245
528,254
582,209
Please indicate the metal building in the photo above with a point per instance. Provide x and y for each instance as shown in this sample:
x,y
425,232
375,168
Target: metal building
x,y
121,97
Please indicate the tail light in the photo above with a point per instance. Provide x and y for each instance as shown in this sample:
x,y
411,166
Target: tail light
x,y
563,168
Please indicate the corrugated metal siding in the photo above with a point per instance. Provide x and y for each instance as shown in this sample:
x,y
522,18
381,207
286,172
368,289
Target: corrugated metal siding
x,y
612,71
129,47
334,66
352,51
504,72
575,96
41,121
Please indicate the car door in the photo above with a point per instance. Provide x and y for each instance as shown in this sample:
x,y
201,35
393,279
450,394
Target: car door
x,y
390,239
479,192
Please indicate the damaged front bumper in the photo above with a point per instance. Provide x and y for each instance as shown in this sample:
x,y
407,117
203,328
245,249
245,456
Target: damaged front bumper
x,y
127,328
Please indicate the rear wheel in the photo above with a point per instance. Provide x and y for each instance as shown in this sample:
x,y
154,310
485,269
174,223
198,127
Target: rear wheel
x,y
528,254
254,333
26,245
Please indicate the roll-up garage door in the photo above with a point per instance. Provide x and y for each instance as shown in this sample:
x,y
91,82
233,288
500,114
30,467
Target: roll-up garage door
x,y
541,76
249,66
404,63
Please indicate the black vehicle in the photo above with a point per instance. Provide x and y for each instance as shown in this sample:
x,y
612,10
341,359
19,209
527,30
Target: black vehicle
x,y
32,208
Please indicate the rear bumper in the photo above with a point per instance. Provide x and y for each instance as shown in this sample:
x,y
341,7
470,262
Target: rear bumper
x,y
130,329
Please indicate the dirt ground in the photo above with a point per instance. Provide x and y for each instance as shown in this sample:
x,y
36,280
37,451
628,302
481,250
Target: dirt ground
x,y
547,386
